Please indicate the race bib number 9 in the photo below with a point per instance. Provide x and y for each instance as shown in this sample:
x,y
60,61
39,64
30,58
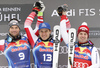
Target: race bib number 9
x,y
22,56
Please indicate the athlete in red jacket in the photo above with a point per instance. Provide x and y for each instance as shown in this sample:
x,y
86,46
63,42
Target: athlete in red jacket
x,y
86,54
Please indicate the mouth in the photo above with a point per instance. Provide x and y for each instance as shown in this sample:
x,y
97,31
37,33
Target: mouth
x,y
44,37
82,38
14,32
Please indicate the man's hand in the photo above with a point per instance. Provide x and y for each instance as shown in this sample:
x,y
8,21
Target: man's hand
x,y
65,7
37,7
42,6
62,9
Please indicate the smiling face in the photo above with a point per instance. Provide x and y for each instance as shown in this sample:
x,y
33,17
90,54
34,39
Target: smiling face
x,y
14,30
82,37
44,33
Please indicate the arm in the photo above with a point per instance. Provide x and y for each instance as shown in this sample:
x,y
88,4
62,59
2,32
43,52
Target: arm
x,y
64,23
39,20
64,27
2,45
32,34
29,30
95,58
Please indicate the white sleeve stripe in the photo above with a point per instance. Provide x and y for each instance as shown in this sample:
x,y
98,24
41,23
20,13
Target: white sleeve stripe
x,y
67,20
30,18
40,19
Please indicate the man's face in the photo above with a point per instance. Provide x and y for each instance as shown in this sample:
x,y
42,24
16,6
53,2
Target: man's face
x,y
44,33
14,30
82,37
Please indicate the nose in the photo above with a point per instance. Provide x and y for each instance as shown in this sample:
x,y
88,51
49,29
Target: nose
x,y
83,36
14,29
44,33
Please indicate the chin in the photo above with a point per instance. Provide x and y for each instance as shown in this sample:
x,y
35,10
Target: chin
x,y
14,35
83,41
44,39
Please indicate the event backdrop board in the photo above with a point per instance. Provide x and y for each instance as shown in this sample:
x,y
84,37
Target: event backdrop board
x,y
79,11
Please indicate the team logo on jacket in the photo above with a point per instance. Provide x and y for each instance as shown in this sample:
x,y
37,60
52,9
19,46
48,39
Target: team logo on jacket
x,y
45,46
18,45
82,52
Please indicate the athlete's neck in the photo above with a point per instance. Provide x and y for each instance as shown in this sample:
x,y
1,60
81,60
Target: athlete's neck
x,y
46,39
82,43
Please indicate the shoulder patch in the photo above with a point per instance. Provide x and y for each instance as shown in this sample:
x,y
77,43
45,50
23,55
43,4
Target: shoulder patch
x,y
90,42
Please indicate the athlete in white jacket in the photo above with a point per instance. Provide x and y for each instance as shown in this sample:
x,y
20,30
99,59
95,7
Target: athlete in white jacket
x,y
86,54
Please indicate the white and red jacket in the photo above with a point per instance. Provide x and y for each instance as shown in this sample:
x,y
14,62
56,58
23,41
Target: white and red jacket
x,y
32,34
94,63
64,27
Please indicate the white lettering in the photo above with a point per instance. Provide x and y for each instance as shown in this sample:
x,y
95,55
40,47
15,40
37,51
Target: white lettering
x,y
80,11
0,17
92,11
71,12
54,13
7,17
6,9
87,12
